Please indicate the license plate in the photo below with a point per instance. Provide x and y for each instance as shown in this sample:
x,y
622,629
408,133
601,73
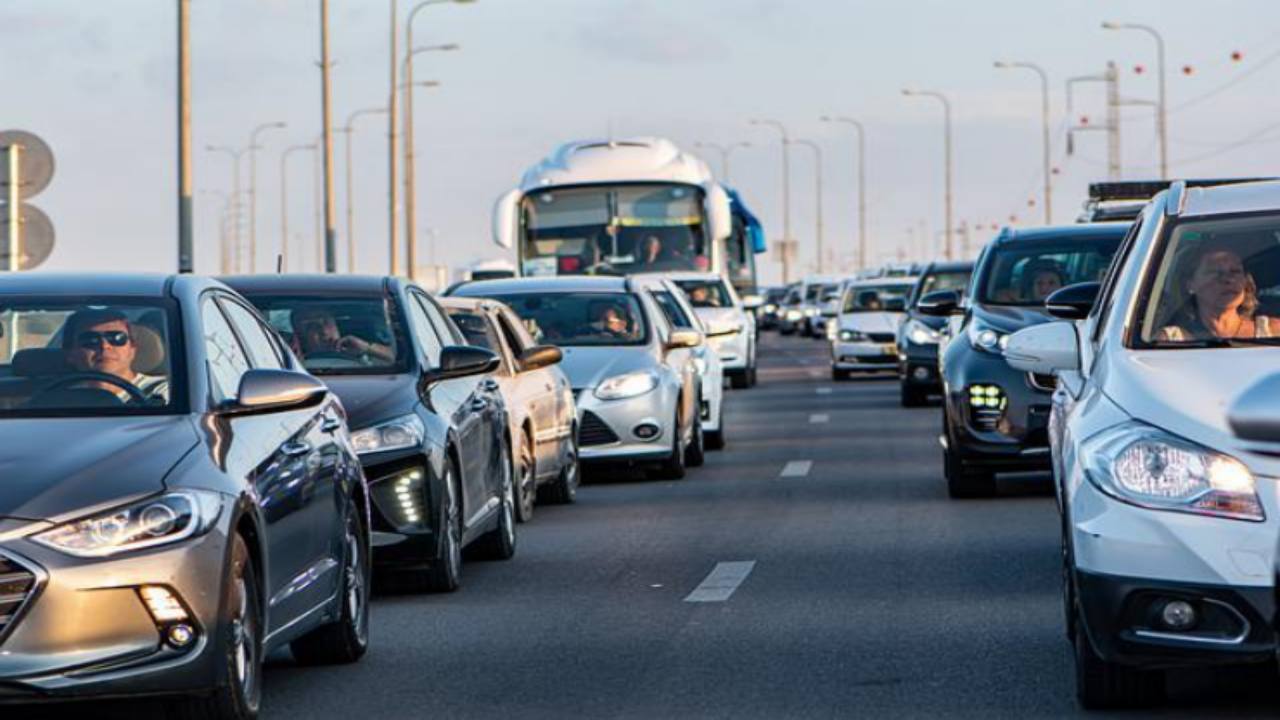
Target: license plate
x,y
888,349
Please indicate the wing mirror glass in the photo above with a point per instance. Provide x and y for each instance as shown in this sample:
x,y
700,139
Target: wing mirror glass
x,y
1044,349
1073,302
939,304
266,390
460,361
684,339
1254,415
540,356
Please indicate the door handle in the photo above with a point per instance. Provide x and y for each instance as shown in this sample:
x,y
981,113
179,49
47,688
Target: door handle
x,y
331,425
489,385
294,449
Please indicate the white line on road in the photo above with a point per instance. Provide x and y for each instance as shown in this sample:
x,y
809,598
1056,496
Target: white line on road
x,y
819,418
824,391
815,373
796,468
718,586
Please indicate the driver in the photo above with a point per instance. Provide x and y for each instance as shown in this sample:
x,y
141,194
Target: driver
x,y
610,319
316,331
102,341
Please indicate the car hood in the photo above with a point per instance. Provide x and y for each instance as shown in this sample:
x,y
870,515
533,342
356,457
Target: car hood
x,y
871,322
1010,318
57,468
588,366
370,399
714,317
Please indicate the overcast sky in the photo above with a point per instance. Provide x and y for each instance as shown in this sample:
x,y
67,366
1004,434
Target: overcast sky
x,y
97,80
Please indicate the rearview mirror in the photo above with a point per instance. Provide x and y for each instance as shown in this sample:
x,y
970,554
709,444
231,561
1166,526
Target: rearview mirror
x,y
939,304
266,390
1044,349
460,361
506,215
1254,415
540,356
684,339
1073,302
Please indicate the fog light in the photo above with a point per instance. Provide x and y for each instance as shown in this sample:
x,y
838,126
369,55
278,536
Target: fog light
x,y
1178,615
987,397
181,635
646,431
408,495
162,604
920,373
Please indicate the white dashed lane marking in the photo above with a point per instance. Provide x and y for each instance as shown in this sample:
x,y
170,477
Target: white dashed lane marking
x,y
796,468
723,580
824,391
819,418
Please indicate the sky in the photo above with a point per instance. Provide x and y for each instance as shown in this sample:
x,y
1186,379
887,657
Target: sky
x,y
97,81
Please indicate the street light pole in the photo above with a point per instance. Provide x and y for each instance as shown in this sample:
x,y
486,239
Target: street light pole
x,y
235,194
725,153
1044,115
946,114
862,185
349,130
786,193
330,216
186,263
817,165
253,191
410,180
1162,126
284,201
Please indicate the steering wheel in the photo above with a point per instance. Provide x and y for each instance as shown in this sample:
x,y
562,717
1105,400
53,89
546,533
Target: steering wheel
x,y
135,393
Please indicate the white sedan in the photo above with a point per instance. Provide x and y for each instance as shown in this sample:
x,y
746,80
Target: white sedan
x,y
864,336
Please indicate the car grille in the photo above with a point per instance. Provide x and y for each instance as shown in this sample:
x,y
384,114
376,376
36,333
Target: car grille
x,y
882,337
594,431
17,584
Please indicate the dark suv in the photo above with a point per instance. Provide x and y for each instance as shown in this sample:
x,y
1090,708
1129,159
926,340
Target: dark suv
x,y
919,334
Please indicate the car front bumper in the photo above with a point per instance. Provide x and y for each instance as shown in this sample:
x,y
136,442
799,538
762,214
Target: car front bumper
x,y
918,366
608,430
863,355
733,350
1014,438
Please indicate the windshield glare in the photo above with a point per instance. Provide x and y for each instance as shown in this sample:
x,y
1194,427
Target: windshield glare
x,y
706,293
87,358
1217,282
1025,274
942,281
583,318
875,298
614,230
347,336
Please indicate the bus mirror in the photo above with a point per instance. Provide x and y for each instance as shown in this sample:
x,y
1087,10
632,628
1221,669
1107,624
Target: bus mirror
x,y
719,217
506,215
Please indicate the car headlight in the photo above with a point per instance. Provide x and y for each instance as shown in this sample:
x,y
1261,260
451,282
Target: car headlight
x,y
921,334
810,312
771,308
398,434
1145,466
793,315
626,386
986,339
161,520
852,336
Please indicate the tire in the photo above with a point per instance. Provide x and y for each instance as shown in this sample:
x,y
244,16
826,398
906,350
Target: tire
x,y
913,397
1101,685
673,468
738,380
715,440
696,453
346,640
526,474
240,695
500,542
564,491
445,572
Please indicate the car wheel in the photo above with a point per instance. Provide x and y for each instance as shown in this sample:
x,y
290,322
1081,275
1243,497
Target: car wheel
x,y
346,640
715,440
565,488
241,695
913,397
1101,684
837,374
673,468
696,455
445,572
526,479
963,481
500,542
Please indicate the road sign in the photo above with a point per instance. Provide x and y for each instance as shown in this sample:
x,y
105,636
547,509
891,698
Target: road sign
x,y
37,238
37,161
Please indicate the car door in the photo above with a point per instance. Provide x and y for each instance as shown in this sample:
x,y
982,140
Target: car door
x,y
275,453
679,360
539,389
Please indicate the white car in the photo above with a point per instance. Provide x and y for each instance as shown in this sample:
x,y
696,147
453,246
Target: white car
x,y
1169,520
730,329
864,336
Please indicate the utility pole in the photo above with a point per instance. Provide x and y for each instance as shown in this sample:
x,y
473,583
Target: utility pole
x,y
1112,126
253,191
1162,106
349,131
186,264
330,218
817,167
1044,122
947,163
862,185
235,197
393,189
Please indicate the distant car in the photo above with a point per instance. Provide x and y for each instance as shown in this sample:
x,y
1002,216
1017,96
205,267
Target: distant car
x,y
1166,443
811,290
180,498
633,375
828,309
767,316
995,418
791,312
540,407
862,336
430,427
729,327
919,334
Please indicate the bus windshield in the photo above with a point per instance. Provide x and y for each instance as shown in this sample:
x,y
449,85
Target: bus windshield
x,y
614,230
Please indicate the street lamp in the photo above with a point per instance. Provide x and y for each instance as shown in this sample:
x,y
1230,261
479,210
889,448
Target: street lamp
x,y
410,180
725,152
946,114
284,200
786,192
235,154
185,231
1044,113
1162,122
253,191
224,249
349,130
862,185
817,166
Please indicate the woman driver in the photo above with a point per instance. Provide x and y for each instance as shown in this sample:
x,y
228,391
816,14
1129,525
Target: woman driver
x,y
1222,300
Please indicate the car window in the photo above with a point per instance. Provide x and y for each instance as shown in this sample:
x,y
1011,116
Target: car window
x,y
338,335
445,330
674,313
580,318
875,298
517,338
261,348
1026,273
475,327
706,293
1102,308
425,331
227,359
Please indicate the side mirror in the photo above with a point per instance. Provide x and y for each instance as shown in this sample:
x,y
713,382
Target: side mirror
x,y
540,356
265,390
719,216
684,339
1044,349
939,304
751,302
1253,415
1073,302
460,361
506,219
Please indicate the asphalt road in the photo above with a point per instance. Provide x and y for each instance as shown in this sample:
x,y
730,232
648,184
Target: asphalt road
x,y
871,593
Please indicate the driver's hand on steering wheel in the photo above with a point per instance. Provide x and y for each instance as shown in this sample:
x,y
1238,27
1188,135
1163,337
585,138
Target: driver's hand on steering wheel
x,y
352,345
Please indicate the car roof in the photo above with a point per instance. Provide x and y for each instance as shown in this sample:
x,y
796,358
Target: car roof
x,y
678,276
122,284
306,284
465,303
1054,233
1226,199
559,283
948,266
903,281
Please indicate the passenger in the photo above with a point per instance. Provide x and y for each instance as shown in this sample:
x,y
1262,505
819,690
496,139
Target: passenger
x,y
1221,300
610,319
1041,281
700,296
315,331
102,341
651,250
869,300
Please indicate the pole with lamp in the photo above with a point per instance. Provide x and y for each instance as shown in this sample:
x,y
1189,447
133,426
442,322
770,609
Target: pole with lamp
x,y
947,134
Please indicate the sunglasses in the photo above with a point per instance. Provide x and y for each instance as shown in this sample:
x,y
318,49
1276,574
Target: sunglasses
x,y
92,338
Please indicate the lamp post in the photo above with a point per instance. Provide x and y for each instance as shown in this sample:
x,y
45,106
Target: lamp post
x,y
410,180
235,194
786,193
862,185
253,191
326,131
224,249
817,167
1044,121
284,200
185,244
1162,127
349,130
946,111
725,151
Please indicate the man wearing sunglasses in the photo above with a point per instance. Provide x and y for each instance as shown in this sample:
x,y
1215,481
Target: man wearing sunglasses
x,y
102,341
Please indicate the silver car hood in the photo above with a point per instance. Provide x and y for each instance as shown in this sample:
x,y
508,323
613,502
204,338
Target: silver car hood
x,y
871,322
586,367
713,316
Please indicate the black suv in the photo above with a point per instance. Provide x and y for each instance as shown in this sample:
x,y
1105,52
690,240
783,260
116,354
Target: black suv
x,y
919,334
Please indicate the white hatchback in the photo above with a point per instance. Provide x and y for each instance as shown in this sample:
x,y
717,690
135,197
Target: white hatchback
x,y
731,331
1169,520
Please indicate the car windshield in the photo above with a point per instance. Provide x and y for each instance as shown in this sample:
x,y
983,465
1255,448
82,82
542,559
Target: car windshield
x,y
957,280
1027,273
339,336
614,230
474,327
581,318
1216,284
706,293
88,357
875,298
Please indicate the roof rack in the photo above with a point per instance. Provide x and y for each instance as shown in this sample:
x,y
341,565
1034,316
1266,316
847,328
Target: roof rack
x,y
1145,189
